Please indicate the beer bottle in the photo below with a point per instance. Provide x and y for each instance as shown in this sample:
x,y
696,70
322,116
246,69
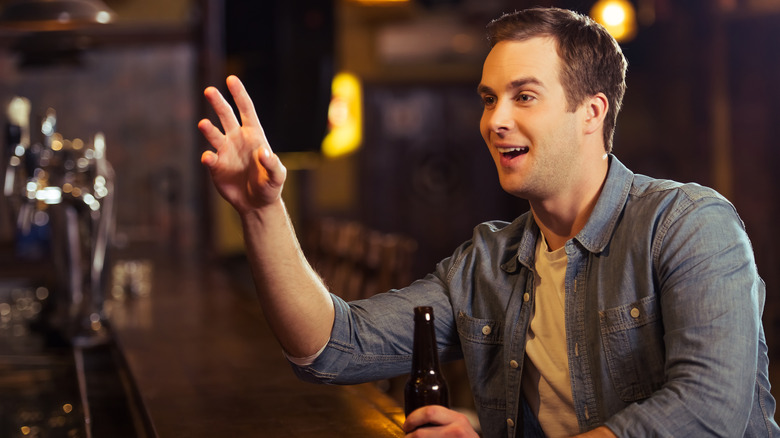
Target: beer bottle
x,y
426,385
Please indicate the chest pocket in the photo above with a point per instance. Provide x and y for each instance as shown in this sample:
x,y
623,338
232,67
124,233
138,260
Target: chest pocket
x,y
632,336
482,341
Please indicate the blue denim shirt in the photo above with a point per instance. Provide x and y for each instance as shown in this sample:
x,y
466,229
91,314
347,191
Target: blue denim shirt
x,y
663,318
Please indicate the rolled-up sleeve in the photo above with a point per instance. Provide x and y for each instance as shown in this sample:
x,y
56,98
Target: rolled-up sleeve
x,y
372,338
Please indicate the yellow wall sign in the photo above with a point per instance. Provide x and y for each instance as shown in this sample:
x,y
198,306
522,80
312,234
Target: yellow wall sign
x,y
345,117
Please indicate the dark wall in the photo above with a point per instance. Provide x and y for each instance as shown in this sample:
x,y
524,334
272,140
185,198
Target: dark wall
x,y
425,170
283,52
754,97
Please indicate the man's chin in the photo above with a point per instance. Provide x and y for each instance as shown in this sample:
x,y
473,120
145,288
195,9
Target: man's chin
x,y
514,188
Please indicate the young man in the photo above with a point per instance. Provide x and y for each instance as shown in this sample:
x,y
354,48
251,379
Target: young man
x,y
619,305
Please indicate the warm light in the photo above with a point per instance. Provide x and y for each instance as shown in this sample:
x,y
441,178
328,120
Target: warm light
x,y
32,187
99,144
379,2
345,117
617,16
95,323
103,17
90,200
614,15
49,195
67,408
54,15
41,293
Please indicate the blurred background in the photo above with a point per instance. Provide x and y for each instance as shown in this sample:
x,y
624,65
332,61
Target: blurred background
x,y
389,152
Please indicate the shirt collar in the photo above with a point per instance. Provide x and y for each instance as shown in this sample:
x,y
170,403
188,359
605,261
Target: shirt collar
x,y
527,246
598,230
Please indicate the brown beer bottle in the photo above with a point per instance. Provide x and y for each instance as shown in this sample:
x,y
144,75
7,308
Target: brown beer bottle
x,y
426,384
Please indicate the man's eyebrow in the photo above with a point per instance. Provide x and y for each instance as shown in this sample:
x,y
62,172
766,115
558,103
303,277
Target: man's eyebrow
x,y
484,89
522,82
517,83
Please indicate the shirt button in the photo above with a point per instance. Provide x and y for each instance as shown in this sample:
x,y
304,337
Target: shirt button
x,y
513,363
526,297
635,313
510,423
577,349
486,330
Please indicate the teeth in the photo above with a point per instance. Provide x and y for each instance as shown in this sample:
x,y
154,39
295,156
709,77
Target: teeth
x,y
510,150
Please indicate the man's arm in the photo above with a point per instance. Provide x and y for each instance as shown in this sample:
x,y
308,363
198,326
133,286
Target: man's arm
x,y
711,299
250,177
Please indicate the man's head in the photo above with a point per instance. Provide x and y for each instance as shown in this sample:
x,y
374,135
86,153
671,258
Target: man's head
x,y
591,60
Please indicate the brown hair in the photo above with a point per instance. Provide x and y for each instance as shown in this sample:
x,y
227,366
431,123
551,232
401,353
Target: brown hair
x,y
592,61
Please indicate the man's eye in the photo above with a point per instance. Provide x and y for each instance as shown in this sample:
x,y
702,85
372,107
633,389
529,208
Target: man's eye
x,y
488,100
522,97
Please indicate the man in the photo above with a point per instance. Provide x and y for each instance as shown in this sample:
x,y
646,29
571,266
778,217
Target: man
x,y
619,305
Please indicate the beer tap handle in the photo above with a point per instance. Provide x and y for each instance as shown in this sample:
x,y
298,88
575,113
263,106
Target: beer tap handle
x,y
49,126
18,140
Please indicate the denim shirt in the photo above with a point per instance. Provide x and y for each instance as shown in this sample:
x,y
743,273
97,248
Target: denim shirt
x,y
663,318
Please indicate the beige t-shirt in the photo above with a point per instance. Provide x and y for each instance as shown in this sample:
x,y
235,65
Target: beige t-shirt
x,y
546,381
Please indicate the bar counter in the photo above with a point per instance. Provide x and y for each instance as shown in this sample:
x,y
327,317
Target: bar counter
x,y
205,364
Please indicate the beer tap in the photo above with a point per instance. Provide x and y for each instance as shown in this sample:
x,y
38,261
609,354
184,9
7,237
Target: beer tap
x,y
67,187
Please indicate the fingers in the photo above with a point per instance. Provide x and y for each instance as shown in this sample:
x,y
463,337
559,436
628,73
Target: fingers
x,y
432,414
213,135
222,108
443,419
249,133
246,108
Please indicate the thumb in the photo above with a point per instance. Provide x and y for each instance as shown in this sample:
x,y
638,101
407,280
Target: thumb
x,y
273,166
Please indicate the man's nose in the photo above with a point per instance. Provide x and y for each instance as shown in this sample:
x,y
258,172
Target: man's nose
x,y
500,117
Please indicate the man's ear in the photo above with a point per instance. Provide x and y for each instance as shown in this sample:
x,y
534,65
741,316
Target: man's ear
x,y
596,110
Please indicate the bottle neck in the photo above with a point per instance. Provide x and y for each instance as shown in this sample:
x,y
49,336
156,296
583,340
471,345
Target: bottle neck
x,y
425,356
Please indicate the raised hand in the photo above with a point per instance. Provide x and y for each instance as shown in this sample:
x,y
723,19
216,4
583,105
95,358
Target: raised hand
x,y
243,167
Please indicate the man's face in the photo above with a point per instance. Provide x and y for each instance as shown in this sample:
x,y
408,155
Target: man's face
x,y
533,139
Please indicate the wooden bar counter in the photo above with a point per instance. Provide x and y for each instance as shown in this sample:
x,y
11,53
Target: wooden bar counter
x,y
206,365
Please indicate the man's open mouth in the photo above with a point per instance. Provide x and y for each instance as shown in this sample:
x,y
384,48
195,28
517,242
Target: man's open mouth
x,y
513,152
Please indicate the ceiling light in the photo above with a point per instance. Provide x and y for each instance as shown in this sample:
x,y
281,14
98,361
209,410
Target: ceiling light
x,y
617,16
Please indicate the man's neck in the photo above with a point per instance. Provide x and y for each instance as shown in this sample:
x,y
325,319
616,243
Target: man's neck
x,y
561,217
